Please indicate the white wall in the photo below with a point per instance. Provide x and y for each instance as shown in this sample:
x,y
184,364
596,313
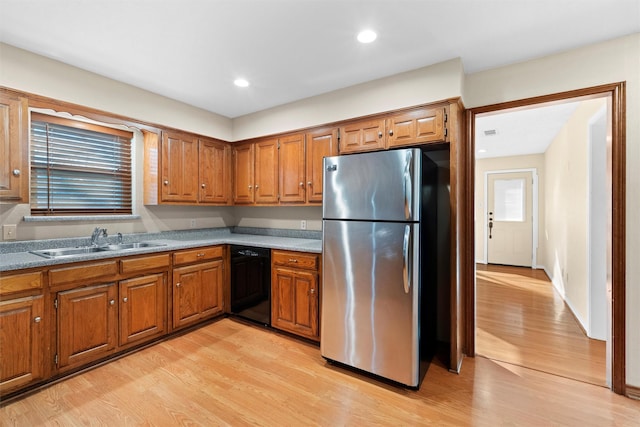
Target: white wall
x,y
506,163
608,62
567,210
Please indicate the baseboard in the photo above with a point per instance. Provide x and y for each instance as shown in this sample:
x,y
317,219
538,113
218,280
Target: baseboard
x,y
632,392
579,321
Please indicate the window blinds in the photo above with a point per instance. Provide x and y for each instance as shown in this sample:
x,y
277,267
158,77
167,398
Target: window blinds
x,y
79,168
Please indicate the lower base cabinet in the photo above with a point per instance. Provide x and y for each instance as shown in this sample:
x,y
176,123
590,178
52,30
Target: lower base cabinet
x,y
87,324
21,341
142,308
295,293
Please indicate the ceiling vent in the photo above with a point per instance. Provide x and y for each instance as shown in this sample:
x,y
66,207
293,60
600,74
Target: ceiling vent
x,y
490,132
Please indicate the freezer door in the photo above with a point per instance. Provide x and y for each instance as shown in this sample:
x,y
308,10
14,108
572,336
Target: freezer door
x,y
382,186
370,297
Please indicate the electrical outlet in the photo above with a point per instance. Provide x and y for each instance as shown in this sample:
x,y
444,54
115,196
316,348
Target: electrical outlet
x,y
9,232
193,223
303,225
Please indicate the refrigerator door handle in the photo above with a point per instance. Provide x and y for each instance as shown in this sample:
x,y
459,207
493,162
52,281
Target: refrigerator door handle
x,y
406,184
406,268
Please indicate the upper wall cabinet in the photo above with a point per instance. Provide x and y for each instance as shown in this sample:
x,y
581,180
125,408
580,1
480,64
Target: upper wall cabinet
x,y
182,168
320,143
255,170
412,127
14,149
291,169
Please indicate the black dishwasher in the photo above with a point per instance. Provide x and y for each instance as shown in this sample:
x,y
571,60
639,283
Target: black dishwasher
x,y
251,283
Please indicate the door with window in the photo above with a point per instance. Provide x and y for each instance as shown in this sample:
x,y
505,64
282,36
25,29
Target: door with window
x,y
510,218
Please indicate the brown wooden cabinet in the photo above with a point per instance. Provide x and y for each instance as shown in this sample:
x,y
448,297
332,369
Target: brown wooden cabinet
x,y
256,173
143,308
22,333
198,285
365,135
320,143
87,324
14,149
295,299
420,126
214,172
291,168
179,163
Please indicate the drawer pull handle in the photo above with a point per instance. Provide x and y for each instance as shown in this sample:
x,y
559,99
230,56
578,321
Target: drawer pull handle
x,y
37,319
200,255
293,260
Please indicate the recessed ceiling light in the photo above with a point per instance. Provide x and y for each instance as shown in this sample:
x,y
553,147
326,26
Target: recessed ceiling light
x,y
366,36
241,82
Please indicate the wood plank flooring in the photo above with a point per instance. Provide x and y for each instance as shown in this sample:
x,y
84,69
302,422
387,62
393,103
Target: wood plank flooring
x,y
232,374
521,319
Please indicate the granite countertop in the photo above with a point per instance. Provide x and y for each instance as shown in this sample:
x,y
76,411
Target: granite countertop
x,y
16,255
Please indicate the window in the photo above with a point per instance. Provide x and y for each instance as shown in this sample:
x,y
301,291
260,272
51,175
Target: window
x,y
509,200
79,168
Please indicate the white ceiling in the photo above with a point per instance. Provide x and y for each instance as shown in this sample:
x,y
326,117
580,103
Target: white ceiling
x,y
192,50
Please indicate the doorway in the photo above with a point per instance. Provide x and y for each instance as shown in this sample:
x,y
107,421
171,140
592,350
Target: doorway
x,y
615,226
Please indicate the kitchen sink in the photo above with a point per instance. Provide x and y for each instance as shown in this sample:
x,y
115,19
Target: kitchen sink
x,y
82,250
123,246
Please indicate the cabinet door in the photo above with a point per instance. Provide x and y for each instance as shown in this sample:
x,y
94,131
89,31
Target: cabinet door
x,y
266,167
86,324
142,308
291,169
212,282
214,172
417,127
366,135
14,149
179,167
294,303
319,144
187,295
243,182
21,334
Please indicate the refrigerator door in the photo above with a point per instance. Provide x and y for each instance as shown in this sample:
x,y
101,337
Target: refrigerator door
x,y
370,297
380,186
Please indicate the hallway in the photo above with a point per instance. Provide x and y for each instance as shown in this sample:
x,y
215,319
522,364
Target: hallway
x,y
523,321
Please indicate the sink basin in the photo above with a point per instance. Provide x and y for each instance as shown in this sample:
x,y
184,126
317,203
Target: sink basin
x,y
82,250
66,252
123,246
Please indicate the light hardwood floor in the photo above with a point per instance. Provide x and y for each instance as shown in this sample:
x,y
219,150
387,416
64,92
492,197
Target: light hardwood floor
x,y
230,373
521,319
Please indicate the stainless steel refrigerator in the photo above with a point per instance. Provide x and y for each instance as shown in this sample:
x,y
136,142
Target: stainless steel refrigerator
x,y
378,225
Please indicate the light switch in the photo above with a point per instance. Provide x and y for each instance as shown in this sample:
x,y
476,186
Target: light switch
x,y
9,232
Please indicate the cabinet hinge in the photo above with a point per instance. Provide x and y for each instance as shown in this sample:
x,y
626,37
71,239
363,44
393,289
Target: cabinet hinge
x,y
278,145
55,359
446,116
55,304
446,132
338,135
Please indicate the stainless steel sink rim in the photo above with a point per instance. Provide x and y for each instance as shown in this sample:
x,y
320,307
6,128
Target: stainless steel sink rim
x,y
83,250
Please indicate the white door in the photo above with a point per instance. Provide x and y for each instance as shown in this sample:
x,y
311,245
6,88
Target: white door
x,y
510,218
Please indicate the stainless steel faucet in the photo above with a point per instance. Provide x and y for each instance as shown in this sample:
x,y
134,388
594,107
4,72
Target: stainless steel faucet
x,y
97,233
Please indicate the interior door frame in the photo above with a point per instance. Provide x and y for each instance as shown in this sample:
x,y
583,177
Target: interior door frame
x,y
534,211
617,92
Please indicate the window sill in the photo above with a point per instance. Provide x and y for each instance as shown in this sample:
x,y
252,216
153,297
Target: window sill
x,y
101,218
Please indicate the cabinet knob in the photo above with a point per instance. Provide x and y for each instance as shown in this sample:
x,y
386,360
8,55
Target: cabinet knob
x,y
312,291
112,302
166,182
301,184
16,172
125,299
390,132
250,187
257,186
380,134
203,185
309,183
37,319
178,285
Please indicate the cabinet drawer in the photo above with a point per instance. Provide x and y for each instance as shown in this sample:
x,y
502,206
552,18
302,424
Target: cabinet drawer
x,y
20,283
196,255
134,265
85,272
295,259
